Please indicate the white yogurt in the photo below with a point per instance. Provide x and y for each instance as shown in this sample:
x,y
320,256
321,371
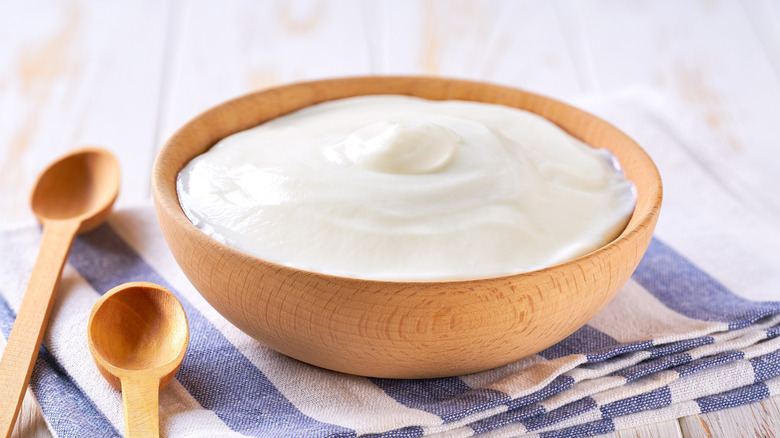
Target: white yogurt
x,y
406,189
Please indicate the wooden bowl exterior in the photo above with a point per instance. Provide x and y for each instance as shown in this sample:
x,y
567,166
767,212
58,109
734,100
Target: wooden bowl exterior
x,y
401,329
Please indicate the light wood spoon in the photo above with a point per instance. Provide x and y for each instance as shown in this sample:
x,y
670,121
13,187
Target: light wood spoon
x,y
138,335
73,195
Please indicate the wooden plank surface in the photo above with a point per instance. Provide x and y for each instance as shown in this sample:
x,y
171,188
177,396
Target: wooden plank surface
x,y
666,429
125,75
260,44
528,50
77,73
710,56
437,37
757,420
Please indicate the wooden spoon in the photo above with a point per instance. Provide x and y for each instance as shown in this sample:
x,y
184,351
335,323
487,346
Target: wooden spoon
x,y
73,195
138,335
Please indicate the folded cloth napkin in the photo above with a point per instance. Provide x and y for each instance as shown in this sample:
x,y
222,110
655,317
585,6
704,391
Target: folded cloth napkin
x,y
682,337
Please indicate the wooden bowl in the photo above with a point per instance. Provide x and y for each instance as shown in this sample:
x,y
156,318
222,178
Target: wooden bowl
x,y
401,329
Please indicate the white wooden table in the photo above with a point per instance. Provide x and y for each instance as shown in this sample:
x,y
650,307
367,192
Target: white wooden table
x,y
125,75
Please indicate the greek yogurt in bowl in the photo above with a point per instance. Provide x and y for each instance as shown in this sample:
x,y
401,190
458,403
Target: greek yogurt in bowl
x,y
399,188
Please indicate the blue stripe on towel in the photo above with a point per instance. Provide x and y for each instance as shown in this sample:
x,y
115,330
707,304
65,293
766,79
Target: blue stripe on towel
x,y
69,412
680,346
508,417
655,399
736,397
449,398
663,357
558,384
596,345
767,366
533,413
709,361
652,366
608,353
524,407
688,290
406,432
225,381
586,340
582,430
555,416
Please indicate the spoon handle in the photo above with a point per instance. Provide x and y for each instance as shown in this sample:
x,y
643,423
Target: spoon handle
x,y
27,333
140,395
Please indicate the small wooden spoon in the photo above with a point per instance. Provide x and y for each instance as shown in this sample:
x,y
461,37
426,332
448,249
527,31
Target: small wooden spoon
x,y
73,195
138,335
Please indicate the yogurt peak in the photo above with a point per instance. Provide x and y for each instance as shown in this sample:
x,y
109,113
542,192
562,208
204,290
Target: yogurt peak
x,y
399,146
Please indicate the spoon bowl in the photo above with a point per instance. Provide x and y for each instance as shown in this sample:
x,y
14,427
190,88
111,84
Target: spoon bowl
x,y
138,335
82,185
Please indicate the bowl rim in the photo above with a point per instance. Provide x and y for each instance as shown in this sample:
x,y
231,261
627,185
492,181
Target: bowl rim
x,y
165,195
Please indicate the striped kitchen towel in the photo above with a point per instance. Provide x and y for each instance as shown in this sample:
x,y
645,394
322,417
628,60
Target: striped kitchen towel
x,y
682,336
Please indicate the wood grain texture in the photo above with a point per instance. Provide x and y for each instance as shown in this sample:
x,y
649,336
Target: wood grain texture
x,y
688,50
138,335
77,72
496,41
433,37
515,56
756,420
665,429
73,195
259,45
398,329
